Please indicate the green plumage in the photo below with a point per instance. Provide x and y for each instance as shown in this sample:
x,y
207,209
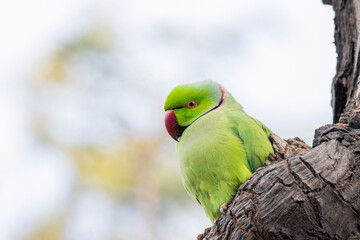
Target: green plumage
x,y
219,149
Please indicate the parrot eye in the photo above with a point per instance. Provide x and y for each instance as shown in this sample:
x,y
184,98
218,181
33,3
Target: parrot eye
x,y
191,104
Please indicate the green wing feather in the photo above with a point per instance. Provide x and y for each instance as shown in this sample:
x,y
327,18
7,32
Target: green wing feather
x,y
255,138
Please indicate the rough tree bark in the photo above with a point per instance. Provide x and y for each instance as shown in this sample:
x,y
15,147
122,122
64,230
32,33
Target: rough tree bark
x,y
345,86
314,194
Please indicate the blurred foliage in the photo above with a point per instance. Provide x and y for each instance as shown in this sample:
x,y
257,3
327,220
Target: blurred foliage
x,y
98,40
38,128
129,171
114,170
117,170
52,229
106,170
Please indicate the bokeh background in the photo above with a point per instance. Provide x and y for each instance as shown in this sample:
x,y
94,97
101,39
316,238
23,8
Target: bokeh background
x,y
84,152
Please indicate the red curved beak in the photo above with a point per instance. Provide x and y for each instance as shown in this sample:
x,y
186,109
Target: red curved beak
x,y
171,123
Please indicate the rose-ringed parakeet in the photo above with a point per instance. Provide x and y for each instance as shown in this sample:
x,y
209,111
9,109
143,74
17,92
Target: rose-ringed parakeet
x,y
219,145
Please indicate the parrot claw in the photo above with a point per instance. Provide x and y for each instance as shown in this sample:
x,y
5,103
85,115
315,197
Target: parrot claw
x,y
342,124
223,207
202,236
357,110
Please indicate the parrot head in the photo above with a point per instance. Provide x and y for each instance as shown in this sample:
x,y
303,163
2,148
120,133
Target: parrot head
x,y
186,103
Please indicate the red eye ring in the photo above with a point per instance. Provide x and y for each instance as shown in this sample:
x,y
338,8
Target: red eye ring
x,y
191,104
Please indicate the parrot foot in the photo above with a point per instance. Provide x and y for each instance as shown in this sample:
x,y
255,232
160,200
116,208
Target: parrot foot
x,y
357,110
202,236
342,124
223,207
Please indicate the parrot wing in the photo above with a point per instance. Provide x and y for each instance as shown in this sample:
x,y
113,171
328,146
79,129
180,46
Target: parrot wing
x,y
254,136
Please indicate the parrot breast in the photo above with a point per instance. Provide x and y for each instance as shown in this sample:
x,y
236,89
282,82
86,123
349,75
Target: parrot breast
x,y
212,161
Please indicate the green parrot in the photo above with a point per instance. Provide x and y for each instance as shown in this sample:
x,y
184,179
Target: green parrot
x,y
219,145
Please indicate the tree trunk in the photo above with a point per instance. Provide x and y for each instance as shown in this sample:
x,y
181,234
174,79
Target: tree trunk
x,y
311,195
345,87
